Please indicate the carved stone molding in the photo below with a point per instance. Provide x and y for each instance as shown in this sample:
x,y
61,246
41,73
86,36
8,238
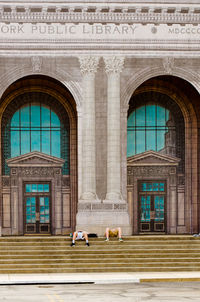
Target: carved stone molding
x,y
36,64
88,64
168,64
114,64
102,207
151,171
81,13
42,171
6,181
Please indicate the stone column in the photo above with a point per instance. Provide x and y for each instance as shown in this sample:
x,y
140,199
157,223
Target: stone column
x,y
113,67
88,66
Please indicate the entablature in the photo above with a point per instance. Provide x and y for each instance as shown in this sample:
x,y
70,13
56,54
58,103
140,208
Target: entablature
x,y
116,12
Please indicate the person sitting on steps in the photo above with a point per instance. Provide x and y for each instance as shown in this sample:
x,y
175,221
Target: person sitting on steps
x,y
80,235
114,233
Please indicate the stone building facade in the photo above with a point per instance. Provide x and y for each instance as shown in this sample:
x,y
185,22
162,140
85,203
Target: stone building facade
x,y
99,116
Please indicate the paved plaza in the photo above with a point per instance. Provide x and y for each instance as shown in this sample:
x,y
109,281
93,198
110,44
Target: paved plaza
x,y
130,292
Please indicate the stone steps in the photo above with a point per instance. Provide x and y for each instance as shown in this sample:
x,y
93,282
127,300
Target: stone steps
x,y
134,254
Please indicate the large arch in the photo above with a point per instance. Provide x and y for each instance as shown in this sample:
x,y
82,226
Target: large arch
x,y
63,187
187,98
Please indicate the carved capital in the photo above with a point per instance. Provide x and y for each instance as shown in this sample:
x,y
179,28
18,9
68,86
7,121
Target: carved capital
x,y
168,64
113,64
36,64
88,64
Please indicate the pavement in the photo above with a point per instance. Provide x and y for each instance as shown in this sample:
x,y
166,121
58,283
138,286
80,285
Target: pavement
x,y
98,278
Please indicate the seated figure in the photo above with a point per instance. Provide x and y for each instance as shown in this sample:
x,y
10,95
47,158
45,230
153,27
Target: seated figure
x,y
80,235
117,232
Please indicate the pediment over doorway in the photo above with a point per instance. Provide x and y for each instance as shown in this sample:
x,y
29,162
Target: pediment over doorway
x,y
150,158
35,159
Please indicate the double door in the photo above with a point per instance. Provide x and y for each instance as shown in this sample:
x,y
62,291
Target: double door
x,y
37,209
152,206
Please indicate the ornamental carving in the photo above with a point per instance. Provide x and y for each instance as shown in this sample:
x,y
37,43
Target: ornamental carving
x,y
168,64
40,171
65,182
6,181
114,64
149,171
36,64
88,64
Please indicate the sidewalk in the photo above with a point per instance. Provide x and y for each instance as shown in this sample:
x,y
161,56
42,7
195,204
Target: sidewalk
x,y
98,278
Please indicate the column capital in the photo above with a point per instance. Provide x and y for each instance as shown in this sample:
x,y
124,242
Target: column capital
x,y
88,64
113,64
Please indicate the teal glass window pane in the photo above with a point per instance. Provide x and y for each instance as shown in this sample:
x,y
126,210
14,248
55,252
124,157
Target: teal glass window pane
x,y
140,142
28,210
155,186
42,210
149,187
161,116
46,187
46,201
42,218
144,186
15,120
130,143
33,188
145,208
150,115
55,142
151,140
28,201
45,141
15,145
46,218
140,116
160,139
131,120
35,140
32,210
28,187
55,122
162,186
41,201
33,201
40,187
25,116
33,220
45,116
25,142
35,115
28,218
46,210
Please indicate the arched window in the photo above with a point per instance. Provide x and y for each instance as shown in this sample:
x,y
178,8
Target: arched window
x,y
35,126
151,127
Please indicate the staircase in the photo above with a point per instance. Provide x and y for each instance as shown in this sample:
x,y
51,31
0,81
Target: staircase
x,y
134,254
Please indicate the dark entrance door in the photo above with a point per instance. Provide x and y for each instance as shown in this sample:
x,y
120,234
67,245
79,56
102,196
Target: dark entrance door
x,y
152,206
37,210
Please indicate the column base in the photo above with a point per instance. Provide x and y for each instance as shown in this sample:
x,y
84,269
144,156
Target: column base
x,y
89,196
114,198
96,217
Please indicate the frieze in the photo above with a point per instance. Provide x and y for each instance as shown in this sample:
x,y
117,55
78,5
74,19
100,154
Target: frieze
x,y
148,171
40,171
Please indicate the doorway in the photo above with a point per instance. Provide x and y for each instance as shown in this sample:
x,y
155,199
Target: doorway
x,y
37,208
152,206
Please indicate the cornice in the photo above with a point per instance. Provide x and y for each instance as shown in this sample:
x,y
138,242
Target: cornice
x,y
130,13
